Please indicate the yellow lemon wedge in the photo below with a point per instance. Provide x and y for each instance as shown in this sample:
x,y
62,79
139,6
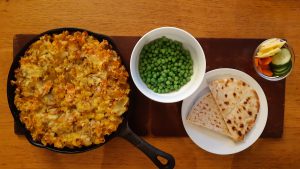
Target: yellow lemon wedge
x,y
270,47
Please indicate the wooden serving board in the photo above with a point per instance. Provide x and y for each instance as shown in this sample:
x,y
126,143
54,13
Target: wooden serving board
x,y
150,118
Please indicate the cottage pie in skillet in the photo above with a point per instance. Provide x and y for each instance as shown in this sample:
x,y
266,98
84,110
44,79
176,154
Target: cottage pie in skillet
x,y
71,90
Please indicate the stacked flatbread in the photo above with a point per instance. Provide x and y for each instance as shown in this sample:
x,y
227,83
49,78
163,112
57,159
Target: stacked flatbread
x,y
230,109
206,113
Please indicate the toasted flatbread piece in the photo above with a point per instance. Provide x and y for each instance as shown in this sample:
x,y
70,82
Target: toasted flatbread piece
x,y
242,118
238,103
227,93
206,113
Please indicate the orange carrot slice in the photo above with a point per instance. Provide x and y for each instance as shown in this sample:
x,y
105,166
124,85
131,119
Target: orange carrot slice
x,y
259,69
267,72
265,66
265,61
256,61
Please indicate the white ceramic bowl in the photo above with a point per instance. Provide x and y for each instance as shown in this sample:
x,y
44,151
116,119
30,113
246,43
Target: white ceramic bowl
x,y
189,43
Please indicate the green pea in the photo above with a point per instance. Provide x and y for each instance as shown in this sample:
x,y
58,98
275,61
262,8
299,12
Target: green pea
x,y
165,65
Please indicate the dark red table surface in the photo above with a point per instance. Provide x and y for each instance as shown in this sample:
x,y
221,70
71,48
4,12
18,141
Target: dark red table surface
x,y
150,118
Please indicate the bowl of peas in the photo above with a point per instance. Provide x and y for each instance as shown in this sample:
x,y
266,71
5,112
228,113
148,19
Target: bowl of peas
x,y
167,64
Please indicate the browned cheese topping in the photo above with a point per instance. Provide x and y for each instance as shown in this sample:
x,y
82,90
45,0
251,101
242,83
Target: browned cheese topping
x,y
71,90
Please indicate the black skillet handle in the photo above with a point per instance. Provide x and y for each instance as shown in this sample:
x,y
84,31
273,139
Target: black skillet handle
x,y
153,153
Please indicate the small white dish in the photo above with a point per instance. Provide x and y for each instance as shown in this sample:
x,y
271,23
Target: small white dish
x,y
189,43
212,141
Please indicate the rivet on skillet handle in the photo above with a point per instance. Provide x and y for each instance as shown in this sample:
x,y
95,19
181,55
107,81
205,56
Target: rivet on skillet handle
x,y
153,153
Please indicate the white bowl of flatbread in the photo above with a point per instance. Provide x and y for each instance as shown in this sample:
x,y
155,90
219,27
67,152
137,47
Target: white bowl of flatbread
x,y
227,113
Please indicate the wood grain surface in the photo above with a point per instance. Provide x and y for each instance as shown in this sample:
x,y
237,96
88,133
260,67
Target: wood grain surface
x,y
210,18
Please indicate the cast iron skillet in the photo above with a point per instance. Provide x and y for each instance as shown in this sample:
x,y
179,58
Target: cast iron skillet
x,y
122,131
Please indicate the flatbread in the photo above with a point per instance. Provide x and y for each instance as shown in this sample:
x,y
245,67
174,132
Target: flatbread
x,y
227,92
238,104
206,113
242,118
